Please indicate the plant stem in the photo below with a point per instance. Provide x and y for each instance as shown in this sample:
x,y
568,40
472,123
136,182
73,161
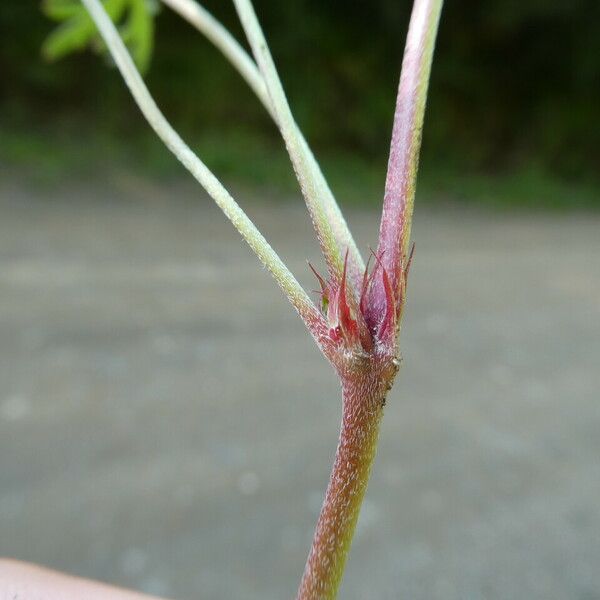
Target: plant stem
x,y
216,33
363,401
400,184
269,258
306,176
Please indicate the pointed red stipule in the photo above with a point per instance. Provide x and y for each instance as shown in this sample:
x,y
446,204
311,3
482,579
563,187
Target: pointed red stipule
x,y
345,320
324,288
363,289
319,279
388,322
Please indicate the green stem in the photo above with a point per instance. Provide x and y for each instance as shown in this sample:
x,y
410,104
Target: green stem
x,y
362,412
307,178
269,258
214,31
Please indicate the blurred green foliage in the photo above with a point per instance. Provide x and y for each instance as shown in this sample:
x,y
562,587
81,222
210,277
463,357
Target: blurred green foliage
x,y
514,110
77,30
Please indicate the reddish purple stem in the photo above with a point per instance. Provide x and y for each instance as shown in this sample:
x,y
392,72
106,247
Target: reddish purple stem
x,y
394,231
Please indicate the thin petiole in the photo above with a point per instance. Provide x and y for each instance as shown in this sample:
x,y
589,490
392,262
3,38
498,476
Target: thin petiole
x,y
286,280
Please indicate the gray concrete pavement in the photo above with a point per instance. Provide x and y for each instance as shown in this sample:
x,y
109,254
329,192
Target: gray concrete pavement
x,y
167,425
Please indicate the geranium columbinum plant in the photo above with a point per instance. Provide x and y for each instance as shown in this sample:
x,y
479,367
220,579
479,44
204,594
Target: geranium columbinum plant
x,y
356,320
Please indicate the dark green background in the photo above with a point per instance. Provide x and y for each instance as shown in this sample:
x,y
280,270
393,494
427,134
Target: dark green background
x,y
513,115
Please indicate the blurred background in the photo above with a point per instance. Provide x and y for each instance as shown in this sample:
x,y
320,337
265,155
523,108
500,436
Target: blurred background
x,y
512,119
165,422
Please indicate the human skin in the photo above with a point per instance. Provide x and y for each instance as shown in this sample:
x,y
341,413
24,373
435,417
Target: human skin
x,y
23,581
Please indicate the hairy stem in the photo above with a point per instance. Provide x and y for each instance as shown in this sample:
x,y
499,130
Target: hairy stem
x,y
270,259
362,411
400,184
218,35
309,183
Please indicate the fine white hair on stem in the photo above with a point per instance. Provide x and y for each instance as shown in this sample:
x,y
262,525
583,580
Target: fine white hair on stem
x,y
310,185
288,283
222,39
401,178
